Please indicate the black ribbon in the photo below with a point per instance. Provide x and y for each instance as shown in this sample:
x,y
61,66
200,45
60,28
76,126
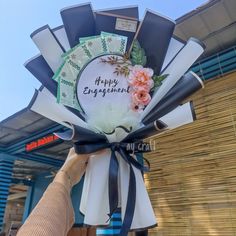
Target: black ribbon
x,y
125,150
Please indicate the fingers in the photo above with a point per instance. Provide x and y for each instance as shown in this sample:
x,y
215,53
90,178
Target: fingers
x,y
72,155
75,164
82,157
97,153
71,151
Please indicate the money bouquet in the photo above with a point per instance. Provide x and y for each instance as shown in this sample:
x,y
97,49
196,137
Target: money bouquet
x,y
112,80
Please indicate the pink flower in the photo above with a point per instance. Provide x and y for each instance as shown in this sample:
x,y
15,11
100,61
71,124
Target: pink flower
x,y
138,68
141,97
141,78
137,107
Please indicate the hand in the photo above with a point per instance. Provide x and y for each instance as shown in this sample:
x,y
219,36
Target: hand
x,y
73,169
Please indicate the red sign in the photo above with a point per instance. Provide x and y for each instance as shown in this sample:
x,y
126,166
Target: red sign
x,y
41,142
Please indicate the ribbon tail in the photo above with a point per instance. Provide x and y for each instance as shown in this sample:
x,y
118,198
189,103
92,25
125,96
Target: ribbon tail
x,y
130,206
113,183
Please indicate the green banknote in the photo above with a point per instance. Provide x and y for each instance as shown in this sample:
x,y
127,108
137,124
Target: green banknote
x,y
115,43
95,44
79,55
66,94
68,71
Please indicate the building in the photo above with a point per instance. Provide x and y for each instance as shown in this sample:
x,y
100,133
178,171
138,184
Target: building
x,y
192,183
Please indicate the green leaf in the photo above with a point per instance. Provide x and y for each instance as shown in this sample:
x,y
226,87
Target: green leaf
x,y
158,79
138,54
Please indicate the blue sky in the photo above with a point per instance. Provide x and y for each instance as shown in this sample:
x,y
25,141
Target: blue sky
x,y
19,18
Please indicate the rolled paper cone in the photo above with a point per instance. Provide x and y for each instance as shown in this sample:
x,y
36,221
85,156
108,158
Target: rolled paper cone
x,y
61,36
181,115
189,84
49,47
42,72
47,106
117,24
175,46
130,11
149,130
80,134
78,22
154,35
175,70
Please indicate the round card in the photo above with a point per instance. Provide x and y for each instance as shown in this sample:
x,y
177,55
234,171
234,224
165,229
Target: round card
x,y
99,86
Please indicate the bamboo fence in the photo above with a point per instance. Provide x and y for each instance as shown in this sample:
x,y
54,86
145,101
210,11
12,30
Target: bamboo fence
x,y
192,183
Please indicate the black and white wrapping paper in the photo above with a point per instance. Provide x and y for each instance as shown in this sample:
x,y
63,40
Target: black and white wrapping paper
x,y
44,38
176,69
187,85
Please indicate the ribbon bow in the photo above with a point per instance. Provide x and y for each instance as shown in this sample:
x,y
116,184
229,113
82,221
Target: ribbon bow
x,y
125,150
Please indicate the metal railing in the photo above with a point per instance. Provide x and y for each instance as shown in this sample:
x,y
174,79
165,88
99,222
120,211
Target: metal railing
x,y
217,65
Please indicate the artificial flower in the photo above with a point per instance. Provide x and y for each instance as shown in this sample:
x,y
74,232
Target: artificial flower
x,y
141,96
140,77
137,107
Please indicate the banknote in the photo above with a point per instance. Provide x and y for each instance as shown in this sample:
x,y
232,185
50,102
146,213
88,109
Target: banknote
x,y
95,44
115,43
79,55
66,94
68,71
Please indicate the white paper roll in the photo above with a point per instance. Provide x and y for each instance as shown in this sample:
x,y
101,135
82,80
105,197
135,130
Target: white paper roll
x,y
46,105
174,47
60,34
49,46
181,115
180,64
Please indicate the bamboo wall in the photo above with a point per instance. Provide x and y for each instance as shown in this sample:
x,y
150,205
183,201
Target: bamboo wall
x,y
192,183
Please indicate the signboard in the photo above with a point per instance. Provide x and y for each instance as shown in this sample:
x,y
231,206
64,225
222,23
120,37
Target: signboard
x,y
41,142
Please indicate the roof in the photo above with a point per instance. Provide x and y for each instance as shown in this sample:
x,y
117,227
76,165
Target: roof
x,y
24,127
21,125
214,23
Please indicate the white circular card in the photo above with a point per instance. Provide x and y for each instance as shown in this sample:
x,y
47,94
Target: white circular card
x,y
99,86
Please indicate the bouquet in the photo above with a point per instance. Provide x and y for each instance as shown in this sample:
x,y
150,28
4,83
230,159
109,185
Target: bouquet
x,y
112,81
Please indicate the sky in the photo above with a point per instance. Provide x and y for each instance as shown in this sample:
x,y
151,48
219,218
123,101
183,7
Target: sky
x,y
19,18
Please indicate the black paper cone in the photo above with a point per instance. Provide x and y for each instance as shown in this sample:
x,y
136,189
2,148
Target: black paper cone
x,y
117,24
149,130
154,35
78,22
42,72
187,85
130,11
80,134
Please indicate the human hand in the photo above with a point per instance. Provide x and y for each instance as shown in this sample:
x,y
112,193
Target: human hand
x,y
73,169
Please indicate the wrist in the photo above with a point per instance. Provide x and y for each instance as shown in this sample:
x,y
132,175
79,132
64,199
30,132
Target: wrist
x,y
63,178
